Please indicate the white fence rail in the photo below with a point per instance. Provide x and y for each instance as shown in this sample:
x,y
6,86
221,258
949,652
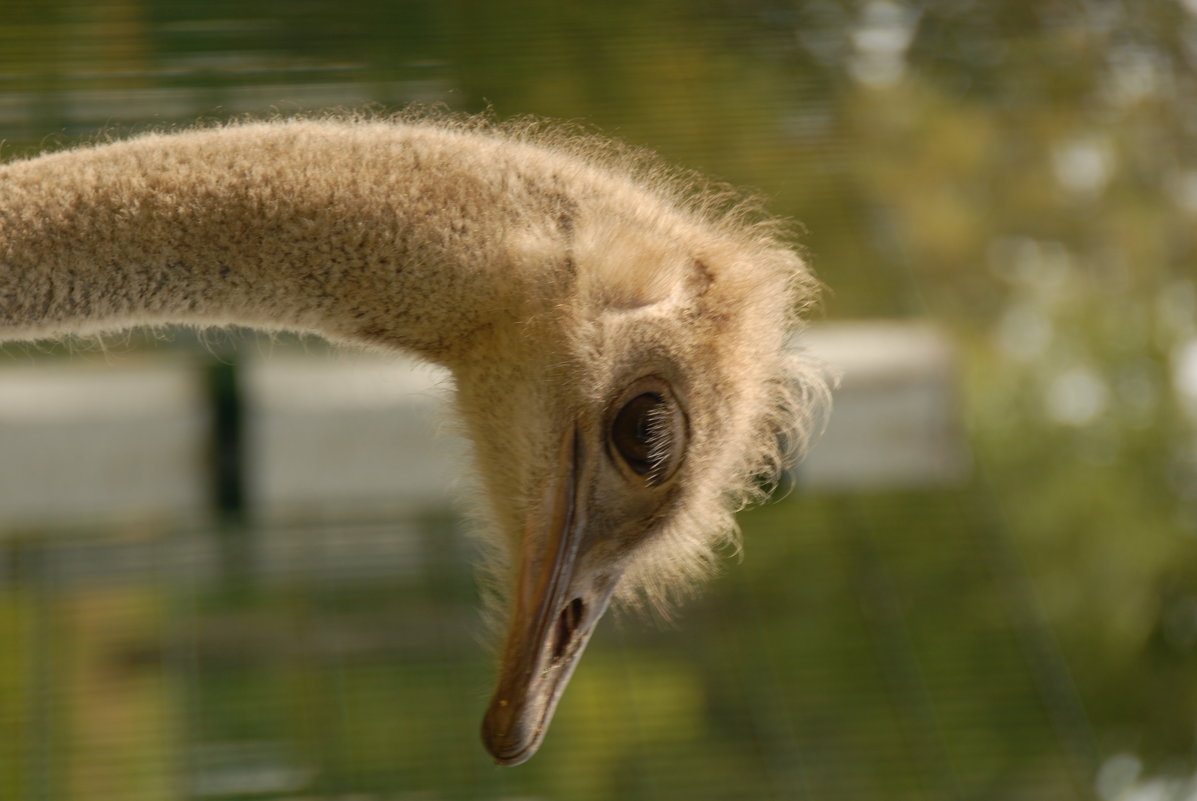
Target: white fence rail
x,y
127,436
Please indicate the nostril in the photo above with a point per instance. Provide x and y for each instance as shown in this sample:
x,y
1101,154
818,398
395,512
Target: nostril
x,y
567,625
574,612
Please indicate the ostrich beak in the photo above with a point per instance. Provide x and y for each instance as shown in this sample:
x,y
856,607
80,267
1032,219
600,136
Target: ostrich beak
x,y
557,604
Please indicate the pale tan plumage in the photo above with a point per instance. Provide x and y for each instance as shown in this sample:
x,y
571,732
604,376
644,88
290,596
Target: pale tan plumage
x,y
617,332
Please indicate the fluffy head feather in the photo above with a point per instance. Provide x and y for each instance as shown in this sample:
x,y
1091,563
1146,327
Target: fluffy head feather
x,y
657,270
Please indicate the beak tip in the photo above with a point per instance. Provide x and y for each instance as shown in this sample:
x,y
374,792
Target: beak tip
x,y
507,737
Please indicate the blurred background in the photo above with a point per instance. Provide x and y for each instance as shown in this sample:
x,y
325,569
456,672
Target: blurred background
x,y
234,567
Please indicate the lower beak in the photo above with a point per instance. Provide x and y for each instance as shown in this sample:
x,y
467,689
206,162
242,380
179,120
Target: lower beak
x,y
557,605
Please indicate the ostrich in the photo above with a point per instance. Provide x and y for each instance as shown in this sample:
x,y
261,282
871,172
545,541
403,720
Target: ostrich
x,y
616,331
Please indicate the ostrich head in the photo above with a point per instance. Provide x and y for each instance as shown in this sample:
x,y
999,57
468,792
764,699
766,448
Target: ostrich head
x,y
634,407
617,333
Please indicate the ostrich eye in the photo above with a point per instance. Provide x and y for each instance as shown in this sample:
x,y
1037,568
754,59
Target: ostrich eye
x,y
635,433
647,434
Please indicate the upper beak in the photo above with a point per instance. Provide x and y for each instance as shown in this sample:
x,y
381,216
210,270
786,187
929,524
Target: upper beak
x,y
558,601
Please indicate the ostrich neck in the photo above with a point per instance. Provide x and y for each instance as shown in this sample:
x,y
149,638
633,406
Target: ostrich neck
x,y
391,235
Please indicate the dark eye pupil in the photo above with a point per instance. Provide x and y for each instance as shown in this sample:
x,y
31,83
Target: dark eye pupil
x,y
633,432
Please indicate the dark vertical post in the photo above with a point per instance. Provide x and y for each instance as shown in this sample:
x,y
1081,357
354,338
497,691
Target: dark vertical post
x,y
227,471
